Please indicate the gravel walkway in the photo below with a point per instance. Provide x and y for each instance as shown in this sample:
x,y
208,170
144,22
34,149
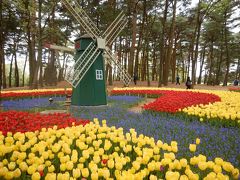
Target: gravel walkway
x,y
138,108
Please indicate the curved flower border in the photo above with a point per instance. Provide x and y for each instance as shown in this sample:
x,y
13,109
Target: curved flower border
x,y
16,121
171,100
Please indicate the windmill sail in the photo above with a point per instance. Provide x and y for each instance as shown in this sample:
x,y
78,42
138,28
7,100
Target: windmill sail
x,y
82,65
84,62
123,74
81,16
115,28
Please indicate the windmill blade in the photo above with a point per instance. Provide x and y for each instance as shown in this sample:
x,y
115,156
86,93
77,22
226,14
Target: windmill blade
x,y
81,16
115,28
112,61
82,65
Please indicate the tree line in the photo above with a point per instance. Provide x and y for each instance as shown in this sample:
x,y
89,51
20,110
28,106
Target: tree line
x,y
162,39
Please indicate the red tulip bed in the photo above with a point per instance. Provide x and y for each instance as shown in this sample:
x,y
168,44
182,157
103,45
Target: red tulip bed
x,y
236,89
16,121
171,101
20,94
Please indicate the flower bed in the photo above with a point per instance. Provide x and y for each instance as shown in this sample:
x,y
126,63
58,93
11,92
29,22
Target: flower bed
x,y
94,151
236,89
216,140
32,104
34,93
15,121
213,106
170,100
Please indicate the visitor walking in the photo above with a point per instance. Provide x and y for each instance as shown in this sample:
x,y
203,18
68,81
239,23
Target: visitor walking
x,y
177,80
235,82
135,78
188,83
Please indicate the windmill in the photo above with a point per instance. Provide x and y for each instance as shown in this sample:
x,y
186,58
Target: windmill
x,y
89,60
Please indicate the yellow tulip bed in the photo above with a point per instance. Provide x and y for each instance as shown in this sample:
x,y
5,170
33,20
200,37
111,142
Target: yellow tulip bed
x,y
226,110
97,151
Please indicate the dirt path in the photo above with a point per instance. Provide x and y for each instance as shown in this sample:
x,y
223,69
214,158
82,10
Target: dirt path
x,y
138,108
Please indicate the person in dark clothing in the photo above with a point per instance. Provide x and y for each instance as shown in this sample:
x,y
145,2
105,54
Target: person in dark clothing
x,y
188,83
177,80
135,78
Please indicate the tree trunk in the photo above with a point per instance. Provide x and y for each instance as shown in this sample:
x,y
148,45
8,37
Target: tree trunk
x,y
210,80
173,61
154,72
197,35
201,65
10,72
16,71
219,64
170,46
227,53
143,65
39,40
162,45
24,68
189,59
147,59
31,27
110,76
238,70
141,32
132,49
1,47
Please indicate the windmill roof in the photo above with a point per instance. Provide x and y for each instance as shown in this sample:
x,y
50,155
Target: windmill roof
x,y
85,36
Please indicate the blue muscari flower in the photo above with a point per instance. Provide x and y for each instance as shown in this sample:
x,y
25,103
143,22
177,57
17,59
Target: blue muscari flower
x,y
28,103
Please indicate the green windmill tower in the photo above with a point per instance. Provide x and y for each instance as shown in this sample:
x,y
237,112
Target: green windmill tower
x,y
87,76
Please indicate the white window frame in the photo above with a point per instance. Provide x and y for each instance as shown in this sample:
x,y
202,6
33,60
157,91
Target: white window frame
x,y
99,74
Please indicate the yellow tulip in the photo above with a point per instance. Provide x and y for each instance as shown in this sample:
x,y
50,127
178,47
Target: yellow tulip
x,y
192,147
172,175
106,173
235,173
23,166
202,165
5,162
76,173
110,163
69,165
217,169
51,169
227,166
218,161
31,169
94,176
11,166
210,176
183,162
63,167
198,141
136,165
152,177
36,176
118,165
183,177
17,173
8,175
85,172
